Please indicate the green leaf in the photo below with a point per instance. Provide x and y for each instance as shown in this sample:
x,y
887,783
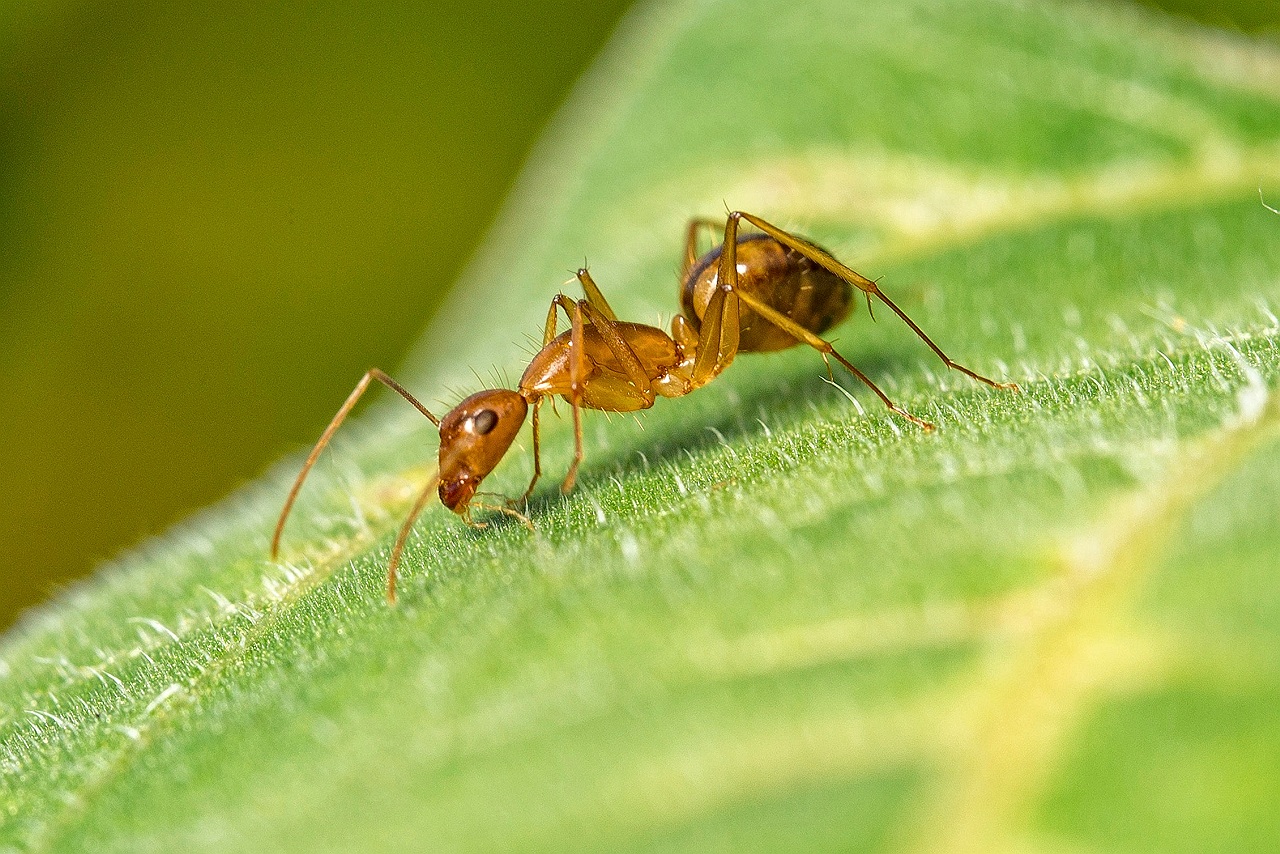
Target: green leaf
x,y
768,619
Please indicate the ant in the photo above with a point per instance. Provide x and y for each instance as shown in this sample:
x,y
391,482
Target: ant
x,y
756,293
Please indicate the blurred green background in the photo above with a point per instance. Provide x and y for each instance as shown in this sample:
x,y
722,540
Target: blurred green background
x,y
213,218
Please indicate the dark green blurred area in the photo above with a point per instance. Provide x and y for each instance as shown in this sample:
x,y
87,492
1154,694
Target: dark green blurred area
x,y
214,218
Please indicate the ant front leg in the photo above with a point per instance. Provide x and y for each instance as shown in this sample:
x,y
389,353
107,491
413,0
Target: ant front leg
x,y
823,259
537,459
577,380
548,335
603,318
576,364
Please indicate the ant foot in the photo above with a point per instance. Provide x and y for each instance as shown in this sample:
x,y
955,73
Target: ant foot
x,y
927,426
507,511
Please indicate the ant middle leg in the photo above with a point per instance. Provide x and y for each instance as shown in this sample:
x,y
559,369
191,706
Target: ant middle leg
x,y
594,296
825,260
602,317
636,393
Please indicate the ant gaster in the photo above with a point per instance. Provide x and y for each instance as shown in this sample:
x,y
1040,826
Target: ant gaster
x,y
752,294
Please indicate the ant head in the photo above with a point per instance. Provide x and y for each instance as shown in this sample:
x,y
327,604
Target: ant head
x,y
474,435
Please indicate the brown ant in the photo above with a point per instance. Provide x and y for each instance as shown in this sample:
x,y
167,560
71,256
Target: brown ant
x,y
754,294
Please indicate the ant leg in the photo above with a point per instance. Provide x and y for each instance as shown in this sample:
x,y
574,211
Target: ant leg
x,y
537,459
572,474
824,347
549,329
594,296
718,340
608,331
548,334
824,259
403,536
607,327
691,242
577,377
639,388
514,514
343,412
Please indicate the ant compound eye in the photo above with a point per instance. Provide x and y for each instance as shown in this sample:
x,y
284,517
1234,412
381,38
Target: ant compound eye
x,y
484,421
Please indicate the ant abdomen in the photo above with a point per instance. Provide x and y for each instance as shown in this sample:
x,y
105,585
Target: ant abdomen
x,y
782,278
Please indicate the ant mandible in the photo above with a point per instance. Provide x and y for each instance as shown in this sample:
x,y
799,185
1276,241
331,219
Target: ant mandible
x,y
752,294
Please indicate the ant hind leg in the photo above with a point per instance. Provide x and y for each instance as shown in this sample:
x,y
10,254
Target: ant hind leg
x,y
691,254
868,287
826,349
